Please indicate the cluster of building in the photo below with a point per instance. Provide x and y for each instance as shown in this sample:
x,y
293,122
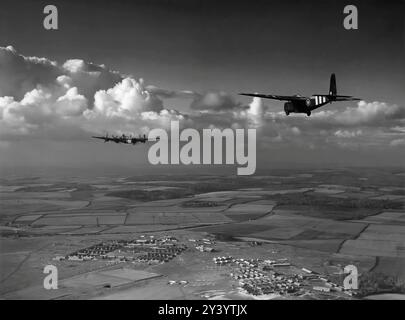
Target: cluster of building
x,y
223,260
247,273
254,279
162,254
142,249
203,248
180,282
99,250
271,264
261,277
204,245
275,283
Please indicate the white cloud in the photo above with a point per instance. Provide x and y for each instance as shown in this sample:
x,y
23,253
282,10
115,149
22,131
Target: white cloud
x,y
348,134
40,97
71,104
20,74
214,101
295,130
370,113
397,142
127,98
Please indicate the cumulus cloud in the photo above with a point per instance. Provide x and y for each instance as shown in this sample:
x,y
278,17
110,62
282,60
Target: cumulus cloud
x,y
397,142
214,101
348,134
43,98
20,74
126,98
253,113
41,94
371,113
165,93
90,77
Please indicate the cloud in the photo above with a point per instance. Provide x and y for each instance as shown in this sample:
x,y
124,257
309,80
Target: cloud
x,y
90,77
348,134
164,93
126,98
397,142
75,96
42,99
214,101
20,74
371,113
295,130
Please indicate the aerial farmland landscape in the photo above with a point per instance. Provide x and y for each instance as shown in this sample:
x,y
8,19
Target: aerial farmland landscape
x,y
226,158
286,234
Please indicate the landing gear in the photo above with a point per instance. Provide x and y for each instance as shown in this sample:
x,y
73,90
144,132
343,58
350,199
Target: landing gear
x,y
308,113
287,113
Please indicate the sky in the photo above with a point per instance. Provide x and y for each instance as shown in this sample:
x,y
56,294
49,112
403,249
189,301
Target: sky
x,y
131,66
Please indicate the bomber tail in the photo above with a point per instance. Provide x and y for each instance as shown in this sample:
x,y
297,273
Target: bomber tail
x,y
332,86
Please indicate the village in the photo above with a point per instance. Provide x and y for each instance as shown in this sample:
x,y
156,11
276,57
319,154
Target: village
x,y
259,277
146,249
256,277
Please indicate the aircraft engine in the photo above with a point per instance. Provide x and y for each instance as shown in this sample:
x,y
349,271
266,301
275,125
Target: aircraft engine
x,y
289,107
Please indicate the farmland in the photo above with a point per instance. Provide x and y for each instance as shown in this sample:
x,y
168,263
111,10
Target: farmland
x,y
320,219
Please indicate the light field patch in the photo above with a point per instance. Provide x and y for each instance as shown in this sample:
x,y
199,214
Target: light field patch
x,y
249,208
387,217
80,220
130,274
35,196
375,248
392,197
331,245
208,217
328,191
85,230
384,233
112,278
356,195
175,218
216,199
160,218
277,233
144,228
52,229
28,218
9,188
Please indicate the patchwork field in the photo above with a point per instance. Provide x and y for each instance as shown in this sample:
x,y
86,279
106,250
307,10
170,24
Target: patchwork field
x,y
109,278
322,219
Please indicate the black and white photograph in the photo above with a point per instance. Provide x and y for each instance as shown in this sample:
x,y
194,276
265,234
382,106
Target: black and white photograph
x,y
228,152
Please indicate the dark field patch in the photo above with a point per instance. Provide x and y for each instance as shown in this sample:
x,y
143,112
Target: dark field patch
x,y
391,266
143,195
244,217
337,208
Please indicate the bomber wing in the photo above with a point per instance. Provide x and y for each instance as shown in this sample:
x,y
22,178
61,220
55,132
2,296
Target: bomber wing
x,y
103,138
